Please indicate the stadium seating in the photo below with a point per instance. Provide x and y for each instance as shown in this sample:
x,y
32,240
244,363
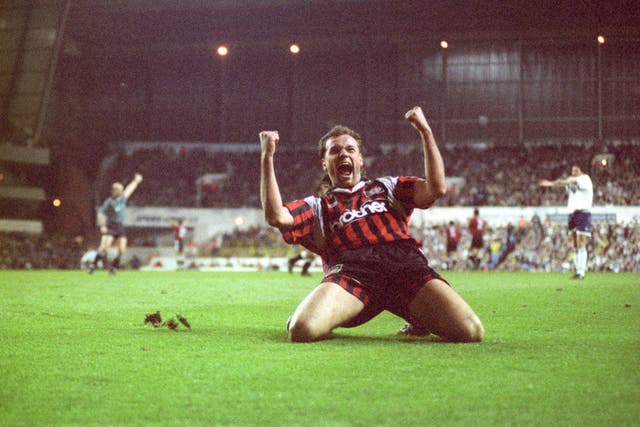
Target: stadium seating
x,y
494,176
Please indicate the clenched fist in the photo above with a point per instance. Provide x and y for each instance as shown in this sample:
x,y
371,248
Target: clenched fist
x,y
268,141
415,116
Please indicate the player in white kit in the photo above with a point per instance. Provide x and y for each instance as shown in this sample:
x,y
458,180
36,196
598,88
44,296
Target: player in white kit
x,y
580,191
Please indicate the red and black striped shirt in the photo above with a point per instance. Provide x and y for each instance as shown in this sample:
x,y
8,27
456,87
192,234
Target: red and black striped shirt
x,y
369,213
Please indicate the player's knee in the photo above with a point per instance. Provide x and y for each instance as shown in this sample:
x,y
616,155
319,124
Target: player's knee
x,y
468,331
473,330
303,331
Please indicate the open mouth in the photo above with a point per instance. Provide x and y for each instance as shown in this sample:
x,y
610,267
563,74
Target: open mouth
x,y
345,169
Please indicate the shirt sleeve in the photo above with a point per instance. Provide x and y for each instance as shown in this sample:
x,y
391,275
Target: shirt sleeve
x,y
400,192
404,191
303,220
105,206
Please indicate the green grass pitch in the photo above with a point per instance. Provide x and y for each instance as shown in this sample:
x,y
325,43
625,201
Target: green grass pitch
x,y
75,351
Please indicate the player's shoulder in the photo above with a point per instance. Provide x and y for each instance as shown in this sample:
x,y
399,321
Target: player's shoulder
x,y
584,179
392,181
312,201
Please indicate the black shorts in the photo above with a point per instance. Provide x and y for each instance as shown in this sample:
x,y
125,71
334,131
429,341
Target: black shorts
x,y
116,230
477,242
451,246
384,277
178,245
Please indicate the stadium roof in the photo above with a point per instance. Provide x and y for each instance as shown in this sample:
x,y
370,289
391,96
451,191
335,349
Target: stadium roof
x,y
123,22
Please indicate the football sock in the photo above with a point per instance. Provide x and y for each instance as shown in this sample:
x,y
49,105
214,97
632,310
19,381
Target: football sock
x,y
582,260
116,262
576,261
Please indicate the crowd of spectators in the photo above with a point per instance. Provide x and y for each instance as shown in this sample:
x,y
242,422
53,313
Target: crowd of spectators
x,y
26,252
492,175
509,175
256,241
528,246
538,246
175,177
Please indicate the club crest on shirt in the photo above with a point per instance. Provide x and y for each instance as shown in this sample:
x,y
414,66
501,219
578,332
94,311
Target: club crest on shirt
x,y
375,189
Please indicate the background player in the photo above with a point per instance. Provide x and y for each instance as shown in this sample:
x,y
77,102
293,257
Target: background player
x,y
360,229
580,191
179,233
453,238
111,223
477,226
308,258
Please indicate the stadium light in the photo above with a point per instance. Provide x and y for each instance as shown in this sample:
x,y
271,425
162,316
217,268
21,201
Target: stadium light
x,y
444,44
56,203
294,48
222,50
600,39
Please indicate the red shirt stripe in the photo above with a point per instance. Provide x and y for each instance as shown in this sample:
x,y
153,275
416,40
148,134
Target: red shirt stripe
x,y
370,213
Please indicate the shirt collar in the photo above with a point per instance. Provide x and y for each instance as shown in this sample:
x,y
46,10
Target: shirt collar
x,y
351,190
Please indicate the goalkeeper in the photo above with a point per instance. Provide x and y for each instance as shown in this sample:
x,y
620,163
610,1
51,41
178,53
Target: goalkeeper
x,y
111,223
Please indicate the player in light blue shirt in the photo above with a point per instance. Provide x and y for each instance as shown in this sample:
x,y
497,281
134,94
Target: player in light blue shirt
x,y
111,223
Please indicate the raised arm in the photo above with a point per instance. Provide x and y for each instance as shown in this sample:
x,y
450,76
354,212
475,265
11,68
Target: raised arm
x,y
131,187
558,182
433,186
274,211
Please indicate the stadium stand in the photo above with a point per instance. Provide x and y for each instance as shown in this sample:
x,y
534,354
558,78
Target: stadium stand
x,y
493,175
614,247
28,251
